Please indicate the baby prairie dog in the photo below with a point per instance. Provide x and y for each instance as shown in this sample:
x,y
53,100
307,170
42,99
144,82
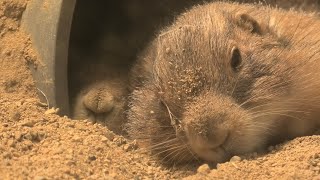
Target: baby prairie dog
x,y
226,79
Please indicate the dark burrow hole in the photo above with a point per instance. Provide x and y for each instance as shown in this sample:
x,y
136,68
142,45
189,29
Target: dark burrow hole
x,y
110,34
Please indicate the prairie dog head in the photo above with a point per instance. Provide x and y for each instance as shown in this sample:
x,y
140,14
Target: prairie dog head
x,y
218,82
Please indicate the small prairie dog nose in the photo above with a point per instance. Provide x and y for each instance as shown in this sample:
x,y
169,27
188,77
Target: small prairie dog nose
x,y
99,101
208,119
206,134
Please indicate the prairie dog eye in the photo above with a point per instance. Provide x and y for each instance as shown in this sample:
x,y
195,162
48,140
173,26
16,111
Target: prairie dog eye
x,y
236,59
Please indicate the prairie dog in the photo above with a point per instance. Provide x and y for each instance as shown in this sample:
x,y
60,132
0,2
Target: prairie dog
x,y
226,79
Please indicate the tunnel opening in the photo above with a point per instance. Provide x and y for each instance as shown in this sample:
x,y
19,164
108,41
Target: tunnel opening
x,y
109,35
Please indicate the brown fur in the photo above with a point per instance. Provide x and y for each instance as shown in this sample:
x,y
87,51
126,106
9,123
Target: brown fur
x,y
102,100
227,79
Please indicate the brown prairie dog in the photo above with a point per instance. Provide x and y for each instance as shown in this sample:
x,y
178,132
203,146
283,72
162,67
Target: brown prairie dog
x,y
227,79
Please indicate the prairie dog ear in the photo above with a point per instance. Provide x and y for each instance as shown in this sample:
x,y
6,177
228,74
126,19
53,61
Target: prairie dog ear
x,y
248,23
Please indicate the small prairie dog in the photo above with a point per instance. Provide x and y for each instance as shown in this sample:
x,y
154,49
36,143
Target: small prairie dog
x,y
226,79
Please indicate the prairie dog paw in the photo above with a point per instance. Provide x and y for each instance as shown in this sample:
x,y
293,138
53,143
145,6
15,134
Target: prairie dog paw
x,y
102,102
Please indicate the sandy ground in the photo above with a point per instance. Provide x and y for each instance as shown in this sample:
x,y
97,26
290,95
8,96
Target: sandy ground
x,y
35,143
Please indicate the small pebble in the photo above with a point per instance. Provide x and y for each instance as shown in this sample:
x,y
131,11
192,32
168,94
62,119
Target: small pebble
x,y
7,52
104,139
205,169
218,165
235,159
119,141
126,147
130,146
167,50
110,135
52,111
41,104
15,116
92,158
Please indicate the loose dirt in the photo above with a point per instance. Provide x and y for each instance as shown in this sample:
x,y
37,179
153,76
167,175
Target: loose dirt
x,y
35,143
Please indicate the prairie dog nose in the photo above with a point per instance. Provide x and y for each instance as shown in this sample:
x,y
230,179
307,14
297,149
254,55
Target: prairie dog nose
x,y
207,120
99,102
206,134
